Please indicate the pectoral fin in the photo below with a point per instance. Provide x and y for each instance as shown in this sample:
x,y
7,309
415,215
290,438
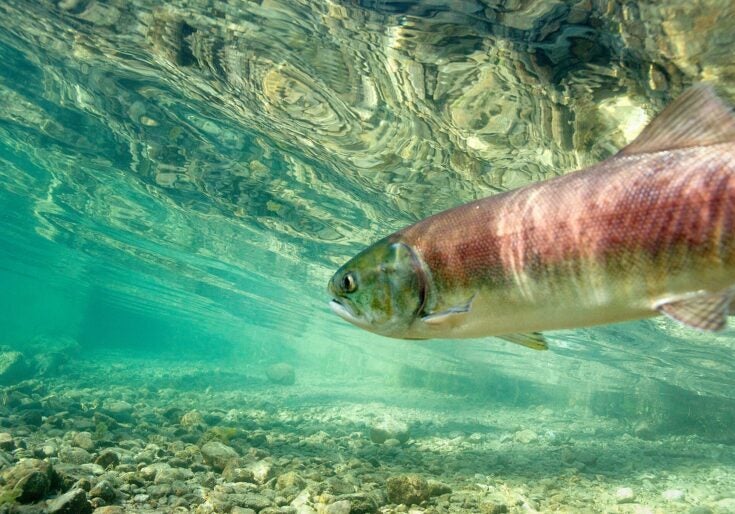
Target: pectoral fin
x,y
533,340
452,317
704,311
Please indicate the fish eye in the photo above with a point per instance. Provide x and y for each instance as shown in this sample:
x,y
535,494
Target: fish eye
x,y
349,284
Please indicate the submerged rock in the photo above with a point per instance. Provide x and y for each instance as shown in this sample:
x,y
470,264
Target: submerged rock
x,y
364,503
107,459
192,419
110,509
13,368
71,502
237,471
119,410
30,480
262,471
389,428
339,507
290,480
673,495
625,495
83,440
218,455
73,455
281,373
525,436
103,490
6,442
407,489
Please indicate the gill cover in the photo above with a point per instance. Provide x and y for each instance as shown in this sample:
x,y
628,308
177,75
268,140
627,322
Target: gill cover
x,y
382,289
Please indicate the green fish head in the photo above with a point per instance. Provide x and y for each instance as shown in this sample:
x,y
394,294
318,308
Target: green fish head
x,y
382,289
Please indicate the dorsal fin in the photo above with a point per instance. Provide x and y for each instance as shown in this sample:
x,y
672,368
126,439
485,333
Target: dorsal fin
x,y
697,118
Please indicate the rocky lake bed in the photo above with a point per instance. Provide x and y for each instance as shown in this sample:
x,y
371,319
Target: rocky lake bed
x,y
131,435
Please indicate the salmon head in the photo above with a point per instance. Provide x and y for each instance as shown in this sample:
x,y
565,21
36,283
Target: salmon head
x,y
382,289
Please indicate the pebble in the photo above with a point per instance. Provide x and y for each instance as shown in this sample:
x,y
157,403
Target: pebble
x,y
673,495
525,436
624,495
6,442
103,490
407,489
109,509
107,459
71,502
290,480
192,419
236,472
339,507
262,471
218,454
74,455
389,428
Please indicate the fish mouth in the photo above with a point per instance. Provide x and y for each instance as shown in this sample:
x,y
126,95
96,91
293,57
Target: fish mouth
x,y
345,312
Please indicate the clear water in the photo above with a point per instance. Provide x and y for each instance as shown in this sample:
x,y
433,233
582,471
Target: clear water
x,y
180,179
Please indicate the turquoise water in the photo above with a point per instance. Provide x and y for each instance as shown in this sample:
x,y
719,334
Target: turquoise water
x,y
178,181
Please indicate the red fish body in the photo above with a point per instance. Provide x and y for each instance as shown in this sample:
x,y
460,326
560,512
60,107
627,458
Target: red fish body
x,y
650,230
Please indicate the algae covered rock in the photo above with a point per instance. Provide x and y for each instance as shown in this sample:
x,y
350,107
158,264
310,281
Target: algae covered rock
x,y
103,489
290,480
237,471
217,454
30,480
192,419
408,489
13,368
7,442
364,503
107,459
281,373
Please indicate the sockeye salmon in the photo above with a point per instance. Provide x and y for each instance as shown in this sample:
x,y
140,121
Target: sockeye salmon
x,y
648,231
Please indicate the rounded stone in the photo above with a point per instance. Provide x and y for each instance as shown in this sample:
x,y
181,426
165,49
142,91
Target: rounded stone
x,y
192,419
83,440
218,454
107,459
103,490
6,442
290,480
407,489
236,472
624,495
673,495
71,502
30,478
525,436
74,455
389,428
